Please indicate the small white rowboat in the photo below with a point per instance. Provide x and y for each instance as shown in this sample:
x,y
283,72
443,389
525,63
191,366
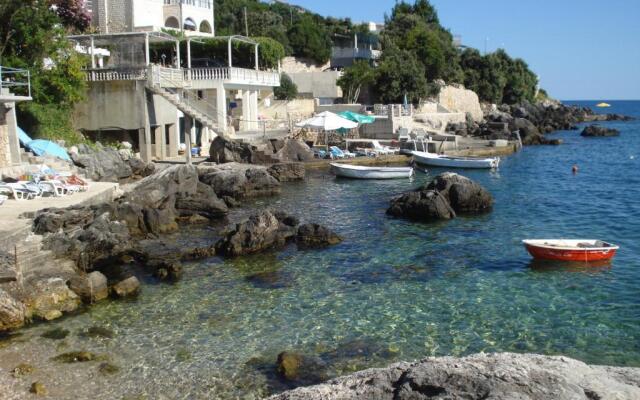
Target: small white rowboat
x,y
438,160
360,172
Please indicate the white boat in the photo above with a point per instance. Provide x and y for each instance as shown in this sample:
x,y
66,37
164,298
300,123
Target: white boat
x,y
360,172
438,160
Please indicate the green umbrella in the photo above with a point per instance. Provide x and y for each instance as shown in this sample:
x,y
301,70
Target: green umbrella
x,y
359,118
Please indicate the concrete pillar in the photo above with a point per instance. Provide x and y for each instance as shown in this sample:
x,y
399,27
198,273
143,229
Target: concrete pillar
x,y
257,62
189,57
221,107
178,52
145,134
253,109
188,123
229,54
93,57
246,112
205,138
160,149
12,130
147,59
174,139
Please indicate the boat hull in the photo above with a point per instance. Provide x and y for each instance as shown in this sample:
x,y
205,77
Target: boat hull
x,y
575,254
357,172
455,162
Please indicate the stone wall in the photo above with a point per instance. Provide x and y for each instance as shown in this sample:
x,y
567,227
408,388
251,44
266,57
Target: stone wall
x,y
317,84
293,65
459,99
296,110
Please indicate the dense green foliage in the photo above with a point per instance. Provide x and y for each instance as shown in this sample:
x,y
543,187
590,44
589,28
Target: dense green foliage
x,y
287,90
415,29
302,33
32,37
215,51
354,78
400,74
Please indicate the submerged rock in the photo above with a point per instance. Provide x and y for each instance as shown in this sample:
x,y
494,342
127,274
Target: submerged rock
x,y
300,369
38,389
108,369
448,195
56,334
314,235
76,356
270,280
599,131
22,370
12,312
98,332
502,376
127,288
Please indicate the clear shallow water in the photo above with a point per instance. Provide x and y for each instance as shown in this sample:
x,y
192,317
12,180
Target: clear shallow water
x,y
394,290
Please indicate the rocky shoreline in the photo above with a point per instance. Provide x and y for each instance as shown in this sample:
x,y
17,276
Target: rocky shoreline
x,y
106,242
532,120
500,376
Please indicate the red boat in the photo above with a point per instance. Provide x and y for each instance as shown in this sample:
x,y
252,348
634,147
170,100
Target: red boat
x,y
570,250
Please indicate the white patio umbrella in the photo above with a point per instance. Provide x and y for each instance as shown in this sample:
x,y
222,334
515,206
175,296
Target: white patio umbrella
x,y
327,121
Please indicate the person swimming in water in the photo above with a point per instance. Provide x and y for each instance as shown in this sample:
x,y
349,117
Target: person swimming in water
x,y
574,169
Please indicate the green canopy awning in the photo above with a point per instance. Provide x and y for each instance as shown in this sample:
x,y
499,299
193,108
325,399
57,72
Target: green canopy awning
x,y
359,118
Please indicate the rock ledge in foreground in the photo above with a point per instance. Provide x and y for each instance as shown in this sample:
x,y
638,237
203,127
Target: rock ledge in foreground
x,y
599,131
502,376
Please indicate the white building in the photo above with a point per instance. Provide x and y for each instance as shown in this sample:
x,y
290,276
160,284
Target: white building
x,y
113,16
160,92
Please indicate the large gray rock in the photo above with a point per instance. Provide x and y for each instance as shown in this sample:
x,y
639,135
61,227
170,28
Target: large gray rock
x,y
464,195
259,233
160,189
314,235
91,287
502,376
238,181
599,131
49,299
443,198
127,288
102,163
204,202
294,150
12,312
287,172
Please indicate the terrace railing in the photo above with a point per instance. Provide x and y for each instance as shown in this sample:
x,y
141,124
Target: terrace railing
x,y
182,77
115,74
18,81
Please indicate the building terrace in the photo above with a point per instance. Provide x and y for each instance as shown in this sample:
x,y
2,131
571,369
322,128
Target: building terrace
x,y
150,88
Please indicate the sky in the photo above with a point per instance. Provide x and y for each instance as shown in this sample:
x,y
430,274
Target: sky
x,y
580,49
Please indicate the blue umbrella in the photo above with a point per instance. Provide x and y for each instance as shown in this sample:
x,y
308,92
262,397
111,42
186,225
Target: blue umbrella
x,y
41,147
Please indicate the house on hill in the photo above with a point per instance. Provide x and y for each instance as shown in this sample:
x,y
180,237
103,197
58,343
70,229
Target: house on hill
x,y
155,81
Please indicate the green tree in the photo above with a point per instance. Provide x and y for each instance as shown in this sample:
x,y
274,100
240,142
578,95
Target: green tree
x,y
287,90
32,37
354,78
400,74
309,40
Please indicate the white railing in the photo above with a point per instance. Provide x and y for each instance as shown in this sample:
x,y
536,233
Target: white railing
x,y
206,74
235,75
101,75
252,76
16,80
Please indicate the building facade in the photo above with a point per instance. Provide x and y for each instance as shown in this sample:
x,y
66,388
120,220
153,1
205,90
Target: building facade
x,y
115,16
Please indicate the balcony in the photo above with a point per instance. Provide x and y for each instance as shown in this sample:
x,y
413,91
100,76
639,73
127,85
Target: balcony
x,y
194,78
15,85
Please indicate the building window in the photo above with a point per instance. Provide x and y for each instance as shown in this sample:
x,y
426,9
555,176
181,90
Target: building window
x,y
190,25
172,22
205,27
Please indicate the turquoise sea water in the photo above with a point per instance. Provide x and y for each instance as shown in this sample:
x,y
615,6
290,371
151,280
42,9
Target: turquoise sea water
x,y
393,290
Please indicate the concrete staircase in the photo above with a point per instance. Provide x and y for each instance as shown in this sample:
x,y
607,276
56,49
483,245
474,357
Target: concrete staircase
x,y
34,263
172,97
55,163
